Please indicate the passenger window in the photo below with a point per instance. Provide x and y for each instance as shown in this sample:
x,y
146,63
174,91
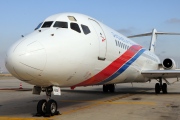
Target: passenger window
x,y
61,24
125,47
75,26
122,45
38,26
116,42
119,43
85,29
47,24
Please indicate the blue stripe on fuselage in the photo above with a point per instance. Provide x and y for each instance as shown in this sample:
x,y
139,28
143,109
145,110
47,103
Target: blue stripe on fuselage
x,y
123,68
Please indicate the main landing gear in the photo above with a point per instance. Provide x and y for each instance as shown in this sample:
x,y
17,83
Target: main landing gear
x,y
160,87
47,107
109,87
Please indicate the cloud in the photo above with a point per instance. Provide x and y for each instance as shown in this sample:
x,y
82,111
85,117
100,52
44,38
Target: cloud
x,y
163,52
173,20
125,31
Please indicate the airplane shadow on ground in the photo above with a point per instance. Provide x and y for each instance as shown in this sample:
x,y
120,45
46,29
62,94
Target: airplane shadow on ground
x,y
75,98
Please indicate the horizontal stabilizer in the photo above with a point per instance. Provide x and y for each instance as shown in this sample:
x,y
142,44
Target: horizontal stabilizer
x,y
149,34
153,34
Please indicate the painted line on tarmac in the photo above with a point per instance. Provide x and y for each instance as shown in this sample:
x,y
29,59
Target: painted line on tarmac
x,y
15,89
6,75
96,103
16,118
109,102
80,108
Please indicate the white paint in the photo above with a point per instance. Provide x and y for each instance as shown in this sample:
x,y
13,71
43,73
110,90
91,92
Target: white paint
x,y
68,58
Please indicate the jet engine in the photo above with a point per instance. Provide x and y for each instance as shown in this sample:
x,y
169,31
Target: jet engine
x,y
168,64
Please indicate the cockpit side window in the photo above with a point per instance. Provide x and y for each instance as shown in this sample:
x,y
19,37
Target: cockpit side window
x,y
86,29
38,26
75,26
47,24
59,24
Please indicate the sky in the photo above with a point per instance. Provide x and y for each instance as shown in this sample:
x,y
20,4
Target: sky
x,y
129,17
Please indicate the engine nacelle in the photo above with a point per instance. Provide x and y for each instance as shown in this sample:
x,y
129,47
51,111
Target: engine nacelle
x,y
168,64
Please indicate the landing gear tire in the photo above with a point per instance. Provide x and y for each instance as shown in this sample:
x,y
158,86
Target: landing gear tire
x,y
41,107
164,88
51,107
105,88
109,87
157,88
47,107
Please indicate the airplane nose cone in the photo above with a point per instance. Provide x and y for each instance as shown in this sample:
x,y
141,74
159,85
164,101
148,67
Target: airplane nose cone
x,y
26,60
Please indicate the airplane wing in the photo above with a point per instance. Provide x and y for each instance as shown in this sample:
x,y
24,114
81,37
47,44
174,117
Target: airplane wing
x,y
161,73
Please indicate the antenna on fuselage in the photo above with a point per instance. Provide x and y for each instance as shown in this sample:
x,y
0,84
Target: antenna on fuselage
x,y
153,35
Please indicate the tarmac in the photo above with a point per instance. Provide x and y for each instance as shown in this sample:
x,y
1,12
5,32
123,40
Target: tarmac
x,y
136,101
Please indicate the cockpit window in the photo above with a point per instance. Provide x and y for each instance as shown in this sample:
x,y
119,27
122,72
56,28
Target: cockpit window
x,y
72,18
47,24
85,29
75,26
38,26
61,24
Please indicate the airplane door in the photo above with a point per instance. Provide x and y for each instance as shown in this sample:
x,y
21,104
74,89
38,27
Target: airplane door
x,y
101,38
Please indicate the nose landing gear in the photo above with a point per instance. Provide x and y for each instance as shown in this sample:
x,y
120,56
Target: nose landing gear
x,y
47,107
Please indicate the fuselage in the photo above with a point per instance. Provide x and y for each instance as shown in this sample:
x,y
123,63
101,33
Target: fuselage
x,y
71,49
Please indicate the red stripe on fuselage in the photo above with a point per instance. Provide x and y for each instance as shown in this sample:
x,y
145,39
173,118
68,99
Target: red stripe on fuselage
x,y
112,68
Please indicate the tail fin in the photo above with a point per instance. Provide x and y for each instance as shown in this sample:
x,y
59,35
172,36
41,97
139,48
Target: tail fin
x,y
153,34
153,41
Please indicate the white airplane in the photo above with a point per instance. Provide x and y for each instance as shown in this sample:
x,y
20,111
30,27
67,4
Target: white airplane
x,y
71,50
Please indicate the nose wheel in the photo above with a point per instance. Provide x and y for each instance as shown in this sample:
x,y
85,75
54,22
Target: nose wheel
x,y
47,107
41,107
51,107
